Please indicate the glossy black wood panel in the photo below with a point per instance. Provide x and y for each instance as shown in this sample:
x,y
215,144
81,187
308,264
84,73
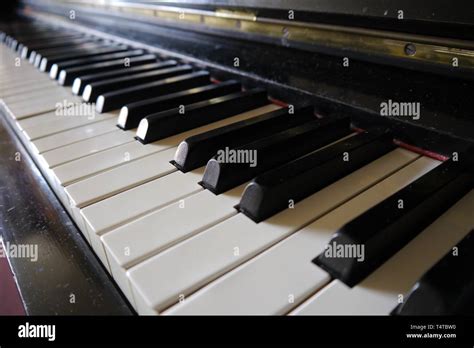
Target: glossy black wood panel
x,y
435,17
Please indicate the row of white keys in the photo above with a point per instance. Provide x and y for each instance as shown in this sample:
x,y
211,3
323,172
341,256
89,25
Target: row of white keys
x,y
181,220
85,147
206,256
29,100
105,215
381,292
279,279
125,177
130,178
144,237
113,158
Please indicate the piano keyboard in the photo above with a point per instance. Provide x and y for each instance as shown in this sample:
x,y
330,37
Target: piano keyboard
x,y
130,143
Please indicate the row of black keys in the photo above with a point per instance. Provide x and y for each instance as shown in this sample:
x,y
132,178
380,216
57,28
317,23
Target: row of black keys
x,y
288,166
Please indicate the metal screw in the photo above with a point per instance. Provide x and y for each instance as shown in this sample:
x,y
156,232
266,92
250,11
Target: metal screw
x,y
410,49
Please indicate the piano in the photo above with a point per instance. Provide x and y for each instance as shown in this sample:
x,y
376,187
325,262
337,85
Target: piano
x,y
239,157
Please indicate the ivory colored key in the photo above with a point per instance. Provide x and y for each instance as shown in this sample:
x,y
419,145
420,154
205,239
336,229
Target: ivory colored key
x,y
50,98
65,122
87,166
80,169
380,292
113,181
284,275
26,109
107,214
206,256
83,148
39,119
25,86
74,135
144,237
34,95
18,75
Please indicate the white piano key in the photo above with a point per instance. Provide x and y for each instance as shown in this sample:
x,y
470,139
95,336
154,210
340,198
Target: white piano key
x,y
379,293
121,208
53,95
284,275
63,122
87,166
22,73
111,182
85,147
80,169
74,135
206,256
142,238
23,83
11,89
35,94
24,109
36,120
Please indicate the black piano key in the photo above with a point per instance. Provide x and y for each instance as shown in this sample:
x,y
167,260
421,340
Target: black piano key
x,y
48,59
271,192
68,75
447,288
131,114
16,40
81,82
195,151
16,43
30,52
164,124
224,172
66,49
73,51
30,43
117,99
387,227
94,89
58,67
